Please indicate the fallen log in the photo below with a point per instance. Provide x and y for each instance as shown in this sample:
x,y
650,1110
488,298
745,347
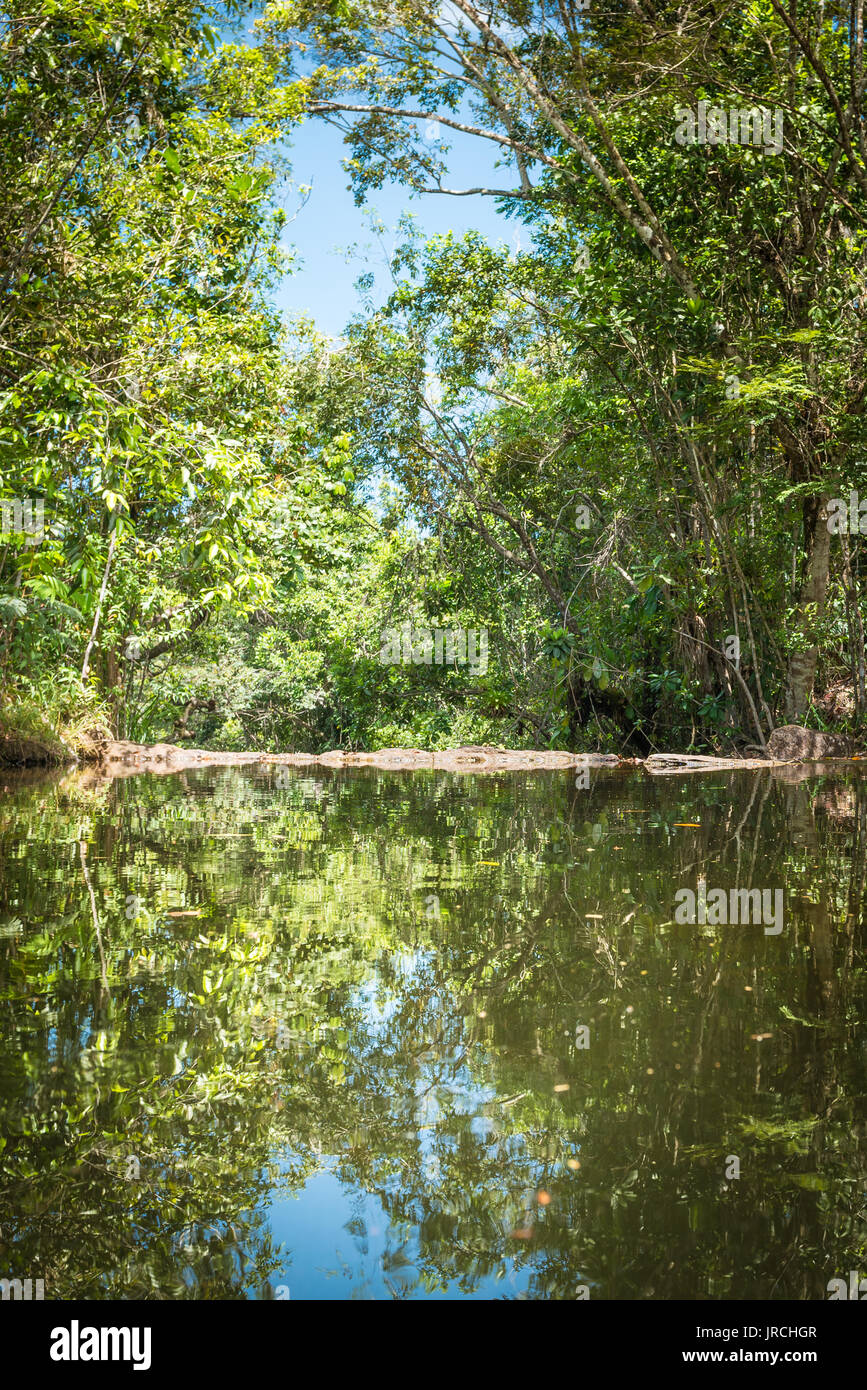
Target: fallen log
x,y
121,759
125,759
666,763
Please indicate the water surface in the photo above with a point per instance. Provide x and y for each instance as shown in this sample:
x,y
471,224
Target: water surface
x,y
420,1035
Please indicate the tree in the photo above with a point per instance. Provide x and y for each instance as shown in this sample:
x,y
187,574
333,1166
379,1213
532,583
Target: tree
x,y
141,367
742,263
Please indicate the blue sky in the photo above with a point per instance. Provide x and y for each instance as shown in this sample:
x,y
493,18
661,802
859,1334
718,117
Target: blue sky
x,y
322,285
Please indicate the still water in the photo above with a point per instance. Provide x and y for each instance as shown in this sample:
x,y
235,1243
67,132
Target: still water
x,y
367,1035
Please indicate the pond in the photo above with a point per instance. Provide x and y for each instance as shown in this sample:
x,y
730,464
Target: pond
x,y
367,1035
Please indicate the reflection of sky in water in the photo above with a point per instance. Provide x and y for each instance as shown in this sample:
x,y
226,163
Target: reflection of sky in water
x,y
343,1245
340,1242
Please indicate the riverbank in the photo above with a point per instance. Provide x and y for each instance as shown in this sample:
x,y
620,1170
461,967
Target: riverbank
x,y
120,759
21,749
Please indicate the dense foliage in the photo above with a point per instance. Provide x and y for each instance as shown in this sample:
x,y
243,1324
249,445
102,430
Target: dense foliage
x,y
615,453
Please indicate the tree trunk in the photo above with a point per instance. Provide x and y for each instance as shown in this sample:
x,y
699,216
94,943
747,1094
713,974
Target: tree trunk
x,y
100,601
802,664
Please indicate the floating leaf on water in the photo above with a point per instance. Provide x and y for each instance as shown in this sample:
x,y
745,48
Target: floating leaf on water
x,y
804,1022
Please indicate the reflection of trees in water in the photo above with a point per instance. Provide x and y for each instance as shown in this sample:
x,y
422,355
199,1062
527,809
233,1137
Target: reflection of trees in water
x,y
313,1007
